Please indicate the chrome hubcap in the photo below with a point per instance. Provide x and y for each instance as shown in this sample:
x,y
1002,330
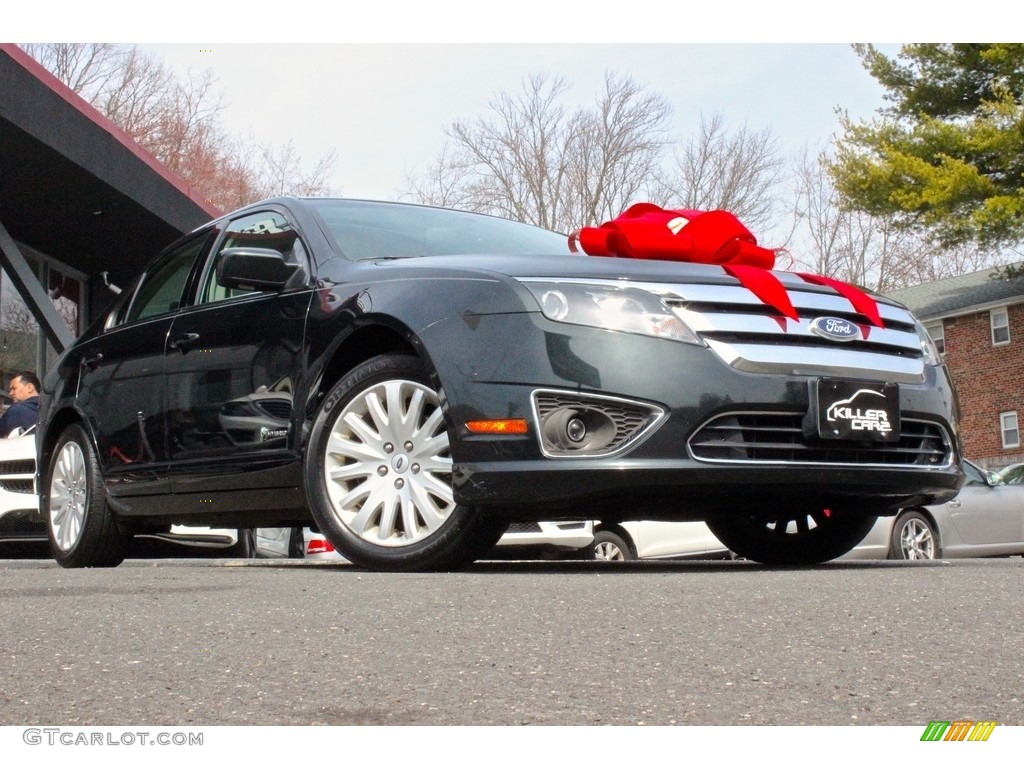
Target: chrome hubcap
x,y
916,541
605,550
69,495
388,466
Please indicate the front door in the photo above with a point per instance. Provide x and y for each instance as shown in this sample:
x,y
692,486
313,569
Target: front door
x,y
231,363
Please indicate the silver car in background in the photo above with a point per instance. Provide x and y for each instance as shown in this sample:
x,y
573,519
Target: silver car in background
x,y
986,519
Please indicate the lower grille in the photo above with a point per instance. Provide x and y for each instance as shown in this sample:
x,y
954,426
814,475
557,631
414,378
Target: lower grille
x,y
523,528
22,525
779,438
17,485
18,467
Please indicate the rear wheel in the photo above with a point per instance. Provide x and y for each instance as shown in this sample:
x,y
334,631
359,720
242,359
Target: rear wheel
x,y
913,538
379,473
297,543
244,546
81,528
791,538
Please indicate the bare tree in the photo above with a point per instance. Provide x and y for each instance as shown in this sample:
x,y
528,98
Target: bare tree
x,y
619,149
534,160
282,172
178,121
867,250
85,68
739,171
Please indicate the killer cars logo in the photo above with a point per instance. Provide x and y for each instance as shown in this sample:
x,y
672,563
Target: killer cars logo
x,y
860,418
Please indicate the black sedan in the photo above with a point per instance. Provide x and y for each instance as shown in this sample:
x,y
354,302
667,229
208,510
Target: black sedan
x,y
414,378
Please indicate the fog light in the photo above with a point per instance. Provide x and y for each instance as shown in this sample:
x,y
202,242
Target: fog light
x,y
576,430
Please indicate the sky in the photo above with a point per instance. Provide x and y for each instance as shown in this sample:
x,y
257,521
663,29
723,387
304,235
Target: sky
x,y
378,83
383,107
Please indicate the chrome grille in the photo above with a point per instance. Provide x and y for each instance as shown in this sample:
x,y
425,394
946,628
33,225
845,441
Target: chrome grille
x,y
277,408
751,336
779,438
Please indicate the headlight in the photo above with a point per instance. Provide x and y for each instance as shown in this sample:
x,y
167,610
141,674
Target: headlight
x,y
931,352
612,307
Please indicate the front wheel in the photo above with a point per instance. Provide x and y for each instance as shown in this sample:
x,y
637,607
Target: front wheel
x,y
80,525
611,547
791,538
913,538
378,473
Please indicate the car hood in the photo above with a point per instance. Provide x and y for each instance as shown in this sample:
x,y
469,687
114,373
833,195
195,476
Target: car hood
x,y
580,267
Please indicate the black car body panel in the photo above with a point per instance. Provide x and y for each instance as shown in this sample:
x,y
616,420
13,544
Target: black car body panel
x,y
201,412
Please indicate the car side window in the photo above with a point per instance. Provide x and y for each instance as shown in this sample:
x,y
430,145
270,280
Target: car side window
x,y
162,287
266,229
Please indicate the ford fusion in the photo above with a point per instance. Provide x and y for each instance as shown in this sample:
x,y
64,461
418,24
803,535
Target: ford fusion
x,y
413,379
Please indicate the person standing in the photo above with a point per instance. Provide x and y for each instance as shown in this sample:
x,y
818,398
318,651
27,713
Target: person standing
x,y
24,411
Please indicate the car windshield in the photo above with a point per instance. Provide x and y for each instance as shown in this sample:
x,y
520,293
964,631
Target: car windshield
x,y
367,230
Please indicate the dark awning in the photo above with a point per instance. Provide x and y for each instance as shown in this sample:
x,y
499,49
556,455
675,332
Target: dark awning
x,y
76,187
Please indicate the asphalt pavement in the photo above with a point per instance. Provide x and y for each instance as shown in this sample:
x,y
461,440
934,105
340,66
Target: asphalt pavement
x,y
220,642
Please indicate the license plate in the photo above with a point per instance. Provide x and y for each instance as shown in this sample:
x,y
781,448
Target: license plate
x,y
857,410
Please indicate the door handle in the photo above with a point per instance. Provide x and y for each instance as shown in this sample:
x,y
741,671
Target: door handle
x,y
184,342
955,503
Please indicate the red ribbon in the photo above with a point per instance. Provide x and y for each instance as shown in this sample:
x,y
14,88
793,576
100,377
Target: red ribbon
x,y
646,231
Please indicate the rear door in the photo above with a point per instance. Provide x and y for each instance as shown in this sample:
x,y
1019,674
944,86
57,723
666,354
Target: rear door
x,y
121,384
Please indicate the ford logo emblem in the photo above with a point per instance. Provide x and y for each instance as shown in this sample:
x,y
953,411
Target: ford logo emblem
x,y
835,329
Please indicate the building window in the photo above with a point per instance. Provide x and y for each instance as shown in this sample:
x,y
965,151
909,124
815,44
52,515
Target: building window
x,y
936,331
1010,430
1000,326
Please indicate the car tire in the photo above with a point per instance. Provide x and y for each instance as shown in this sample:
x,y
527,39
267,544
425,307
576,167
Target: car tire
x,y
297,544
82,530
611,547
245,545
913,538
791,538
378,473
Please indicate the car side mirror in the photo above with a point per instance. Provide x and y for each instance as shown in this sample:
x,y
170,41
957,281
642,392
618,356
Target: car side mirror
x,y
254,269
994,479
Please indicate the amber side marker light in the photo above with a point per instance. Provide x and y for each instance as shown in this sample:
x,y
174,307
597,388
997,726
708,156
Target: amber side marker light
x,y
498,427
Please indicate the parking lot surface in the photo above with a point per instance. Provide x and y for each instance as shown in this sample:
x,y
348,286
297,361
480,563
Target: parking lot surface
x,y
219,642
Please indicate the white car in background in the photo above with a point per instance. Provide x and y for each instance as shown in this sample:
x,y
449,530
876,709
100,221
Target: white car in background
x,y
20,521
521,540
23,529
656,539
302,543
545,538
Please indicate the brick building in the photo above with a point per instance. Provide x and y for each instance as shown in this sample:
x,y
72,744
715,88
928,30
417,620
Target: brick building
x,y
977,321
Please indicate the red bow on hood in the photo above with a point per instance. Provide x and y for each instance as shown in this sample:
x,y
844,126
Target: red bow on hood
x,y
645,231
